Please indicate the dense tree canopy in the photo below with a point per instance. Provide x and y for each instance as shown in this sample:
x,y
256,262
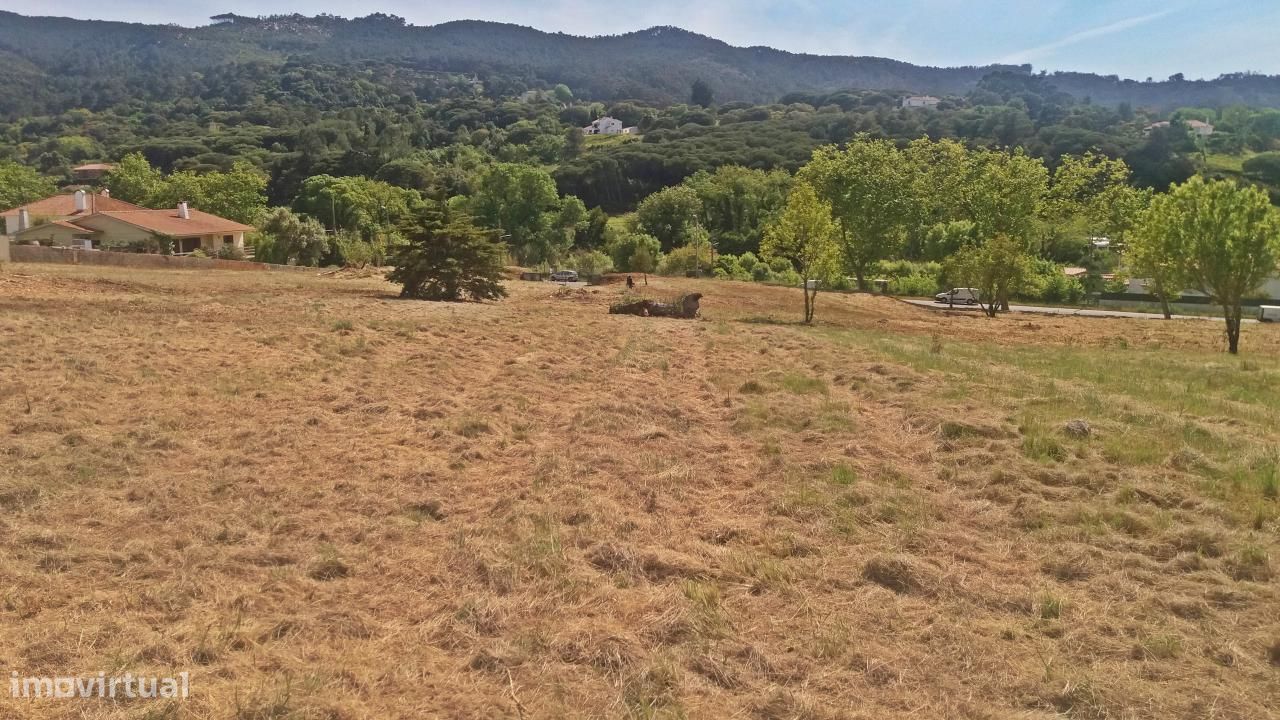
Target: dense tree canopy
x,y
19,185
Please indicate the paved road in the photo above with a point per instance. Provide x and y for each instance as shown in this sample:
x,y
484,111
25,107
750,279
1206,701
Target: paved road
x,y
1083,312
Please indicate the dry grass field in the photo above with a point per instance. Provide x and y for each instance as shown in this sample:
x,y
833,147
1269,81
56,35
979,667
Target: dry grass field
x,y
325,502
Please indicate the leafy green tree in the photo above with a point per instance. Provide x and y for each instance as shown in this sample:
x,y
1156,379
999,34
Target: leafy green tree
x,y
738,203
1005,193
644,259
1080,181
1154,253
285,238
1227,237
624,247
997,268
590,263
592,235
450,260
940,178
238,195
521,202
1264,167
134,180
680,261
804,236
868,188
574,143
20,185
369,207
562,94
669,214
698,240
946,239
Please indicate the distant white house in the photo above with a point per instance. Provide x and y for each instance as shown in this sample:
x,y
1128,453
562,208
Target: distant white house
x,y
1197,127
1203,129
1270,288
920,101
604,126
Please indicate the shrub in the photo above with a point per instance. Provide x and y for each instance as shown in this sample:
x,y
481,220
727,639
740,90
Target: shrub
x,y
590,263
730,267
350,250
624,248
230,252
912,278
682,260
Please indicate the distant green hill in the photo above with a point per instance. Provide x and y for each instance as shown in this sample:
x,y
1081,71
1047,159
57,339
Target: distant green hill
x,y
58,63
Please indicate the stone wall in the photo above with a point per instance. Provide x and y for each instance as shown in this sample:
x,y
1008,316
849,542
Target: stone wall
x,y
72,256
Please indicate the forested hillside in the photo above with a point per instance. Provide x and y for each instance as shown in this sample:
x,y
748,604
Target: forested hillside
x,y
335,137
51,64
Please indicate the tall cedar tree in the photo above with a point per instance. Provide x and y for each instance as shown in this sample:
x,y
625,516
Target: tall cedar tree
x,y
450,260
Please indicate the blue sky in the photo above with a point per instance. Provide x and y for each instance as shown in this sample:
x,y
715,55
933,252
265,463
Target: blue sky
x,y
1131,38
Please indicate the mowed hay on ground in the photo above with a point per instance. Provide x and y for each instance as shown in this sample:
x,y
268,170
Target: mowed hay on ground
x,y
324,502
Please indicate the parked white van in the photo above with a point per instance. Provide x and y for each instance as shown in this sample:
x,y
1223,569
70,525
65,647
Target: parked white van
x,y
1269,313
958,296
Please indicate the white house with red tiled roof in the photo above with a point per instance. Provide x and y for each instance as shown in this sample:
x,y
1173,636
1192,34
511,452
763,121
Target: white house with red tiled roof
x,y
101,221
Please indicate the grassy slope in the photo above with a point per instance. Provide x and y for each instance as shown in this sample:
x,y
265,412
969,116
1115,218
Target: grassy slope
x,y
328,503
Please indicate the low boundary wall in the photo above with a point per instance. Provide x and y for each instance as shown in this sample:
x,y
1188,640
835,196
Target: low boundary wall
x,y
76,256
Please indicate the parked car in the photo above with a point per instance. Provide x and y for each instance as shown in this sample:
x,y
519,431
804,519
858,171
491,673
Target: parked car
x,y
564,276
958,296
1269,313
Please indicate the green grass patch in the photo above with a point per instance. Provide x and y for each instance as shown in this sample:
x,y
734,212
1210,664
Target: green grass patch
x,y
803,384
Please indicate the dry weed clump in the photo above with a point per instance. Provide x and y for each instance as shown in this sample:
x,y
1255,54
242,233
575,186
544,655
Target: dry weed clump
x,y
323,501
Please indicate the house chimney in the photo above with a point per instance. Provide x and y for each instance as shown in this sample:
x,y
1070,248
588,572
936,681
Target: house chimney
x,y
183,212
24,219
80,205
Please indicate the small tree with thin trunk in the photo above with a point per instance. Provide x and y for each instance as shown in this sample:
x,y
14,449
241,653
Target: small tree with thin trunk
x,y
1153,253
996,269
1228,237
643,261
804,236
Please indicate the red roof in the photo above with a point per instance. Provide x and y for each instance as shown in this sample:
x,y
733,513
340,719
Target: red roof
x,y
167,222
64,206
59,223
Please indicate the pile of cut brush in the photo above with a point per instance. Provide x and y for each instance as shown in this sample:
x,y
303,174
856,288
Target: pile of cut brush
x,y
685,306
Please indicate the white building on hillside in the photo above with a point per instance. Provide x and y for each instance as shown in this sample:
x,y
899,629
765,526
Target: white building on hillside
x,y
1195,127
604,126
920,101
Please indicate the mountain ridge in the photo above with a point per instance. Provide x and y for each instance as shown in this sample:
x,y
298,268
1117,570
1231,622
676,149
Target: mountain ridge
x,y
656,64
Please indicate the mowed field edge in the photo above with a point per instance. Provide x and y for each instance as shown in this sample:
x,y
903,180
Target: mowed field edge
x,y
326,502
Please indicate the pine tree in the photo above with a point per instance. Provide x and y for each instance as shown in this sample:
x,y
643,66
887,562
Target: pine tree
x,y
450,260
